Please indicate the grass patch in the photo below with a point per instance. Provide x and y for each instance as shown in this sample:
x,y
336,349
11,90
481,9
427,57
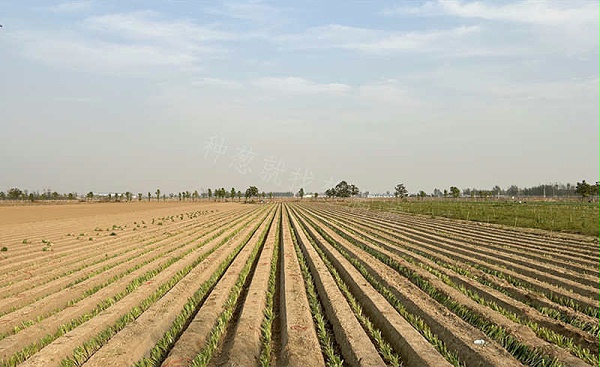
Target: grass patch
x,y
571,217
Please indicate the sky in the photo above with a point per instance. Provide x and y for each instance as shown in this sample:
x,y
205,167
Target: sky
x,y
115,96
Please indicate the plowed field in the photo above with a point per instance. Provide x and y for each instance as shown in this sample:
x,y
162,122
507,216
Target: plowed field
x,y
288,284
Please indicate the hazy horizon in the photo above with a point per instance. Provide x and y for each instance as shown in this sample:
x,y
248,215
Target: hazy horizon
x,y
113,97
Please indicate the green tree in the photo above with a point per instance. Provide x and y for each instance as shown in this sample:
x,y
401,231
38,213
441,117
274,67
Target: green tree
x,y
196,195
445,193
90,195
354,190
232,193
301,193
14,193
497,190
157,194
251,191
342,190
513,190
209,194
454,191
239,195
330,193
400,191
140,196
422,194
149,196
316,195
271,196
2,195
583,188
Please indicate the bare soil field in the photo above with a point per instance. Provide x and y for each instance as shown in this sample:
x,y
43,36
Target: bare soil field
x,y
288,284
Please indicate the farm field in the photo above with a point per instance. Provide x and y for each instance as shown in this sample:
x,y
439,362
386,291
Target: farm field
x,y
289,284
573,216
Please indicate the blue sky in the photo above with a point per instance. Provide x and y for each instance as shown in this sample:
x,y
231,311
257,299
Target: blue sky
x,y
117,96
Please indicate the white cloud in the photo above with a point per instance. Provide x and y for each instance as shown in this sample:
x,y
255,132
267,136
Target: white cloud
x,y
148,26
414,41
219,83
526,11
83,54
574,93
387,91
77,99
72,6
376,41
536,26
127,42
295,85
255,11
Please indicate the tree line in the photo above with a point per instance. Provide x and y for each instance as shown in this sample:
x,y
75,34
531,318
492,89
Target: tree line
x,y
581,189
216,194
343,189
18,194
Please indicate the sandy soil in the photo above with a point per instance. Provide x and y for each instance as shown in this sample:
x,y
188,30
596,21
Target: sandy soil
x,y
19,214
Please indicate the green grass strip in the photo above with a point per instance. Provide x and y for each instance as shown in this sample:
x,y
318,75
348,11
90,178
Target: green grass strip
x,y
573,217
267,323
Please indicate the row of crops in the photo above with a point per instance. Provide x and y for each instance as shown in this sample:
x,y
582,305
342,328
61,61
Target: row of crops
x,y
297,284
